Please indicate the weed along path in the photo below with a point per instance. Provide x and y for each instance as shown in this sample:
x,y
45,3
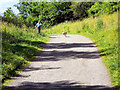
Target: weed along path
x,y
65,62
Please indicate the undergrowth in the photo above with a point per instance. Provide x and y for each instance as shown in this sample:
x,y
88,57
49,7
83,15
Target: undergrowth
x,y
19,46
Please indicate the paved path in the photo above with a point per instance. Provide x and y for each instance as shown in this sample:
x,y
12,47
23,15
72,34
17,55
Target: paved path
x,y
65,62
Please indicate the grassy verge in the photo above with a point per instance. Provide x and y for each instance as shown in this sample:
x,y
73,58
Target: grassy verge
x,y
103,31
19,46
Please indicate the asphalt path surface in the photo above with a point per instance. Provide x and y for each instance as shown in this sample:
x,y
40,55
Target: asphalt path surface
x,y
65,63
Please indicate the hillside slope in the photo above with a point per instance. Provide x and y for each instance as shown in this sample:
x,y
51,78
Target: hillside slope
x,y
19,46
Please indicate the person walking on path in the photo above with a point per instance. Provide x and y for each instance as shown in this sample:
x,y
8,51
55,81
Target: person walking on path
x,y
38,25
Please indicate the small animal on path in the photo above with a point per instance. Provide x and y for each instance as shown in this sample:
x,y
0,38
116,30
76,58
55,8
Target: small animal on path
x,y
65,33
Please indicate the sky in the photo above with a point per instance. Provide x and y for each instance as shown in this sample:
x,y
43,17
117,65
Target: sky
x,y
4,4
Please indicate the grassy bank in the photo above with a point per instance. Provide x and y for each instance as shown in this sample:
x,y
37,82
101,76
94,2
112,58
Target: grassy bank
x,y
103,31
19,46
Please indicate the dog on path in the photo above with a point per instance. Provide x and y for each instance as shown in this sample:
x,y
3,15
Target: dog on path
x,y
65,33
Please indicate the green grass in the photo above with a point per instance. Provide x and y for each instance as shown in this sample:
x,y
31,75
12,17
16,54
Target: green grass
x,y
19,46
103,31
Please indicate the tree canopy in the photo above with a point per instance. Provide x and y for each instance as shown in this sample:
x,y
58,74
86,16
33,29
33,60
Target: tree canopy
x,y
52,13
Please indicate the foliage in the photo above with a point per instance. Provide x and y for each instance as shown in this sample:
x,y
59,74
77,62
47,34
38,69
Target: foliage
x,y
10,17
80,9
49,13
85,26
52,13
19,45
103,7
99,24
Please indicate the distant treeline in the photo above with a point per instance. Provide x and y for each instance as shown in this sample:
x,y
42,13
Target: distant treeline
x,y
52,13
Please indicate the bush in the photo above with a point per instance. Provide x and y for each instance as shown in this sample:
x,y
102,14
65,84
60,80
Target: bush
x,y
99,24
85,26
78,31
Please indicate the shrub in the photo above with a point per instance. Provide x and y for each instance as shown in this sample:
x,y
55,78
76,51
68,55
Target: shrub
x,y
99,24
85,26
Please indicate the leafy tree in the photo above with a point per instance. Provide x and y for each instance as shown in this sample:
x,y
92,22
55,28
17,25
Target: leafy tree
x,y
80,9
22,7
49,13
9,15
102,7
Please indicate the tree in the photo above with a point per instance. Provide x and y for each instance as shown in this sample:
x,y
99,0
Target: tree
x,y
103,7
9,15
22,7
80,9
49,13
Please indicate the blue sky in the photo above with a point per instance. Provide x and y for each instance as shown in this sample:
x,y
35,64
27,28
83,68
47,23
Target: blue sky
x,y
4,4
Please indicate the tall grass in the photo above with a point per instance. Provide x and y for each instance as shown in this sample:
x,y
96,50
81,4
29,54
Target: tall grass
x,y
19,46
103,31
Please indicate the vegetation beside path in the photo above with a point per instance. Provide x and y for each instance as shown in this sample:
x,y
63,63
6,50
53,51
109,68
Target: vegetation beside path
x,y
19,46
103,31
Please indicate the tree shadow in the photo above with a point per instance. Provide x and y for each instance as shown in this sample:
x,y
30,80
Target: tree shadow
x,y
29,68
14,45
65,55
24,51
57,55
14,40
65,45
58,85
38,44
105,52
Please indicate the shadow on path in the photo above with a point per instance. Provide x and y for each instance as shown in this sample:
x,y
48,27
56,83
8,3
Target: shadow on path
x,y
59,85
40,68
56,55
65,55
67,45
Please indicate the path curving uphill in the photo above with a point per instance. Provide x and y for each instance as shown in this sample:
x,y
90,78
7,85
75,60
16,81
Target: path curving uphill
x,y
65,62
